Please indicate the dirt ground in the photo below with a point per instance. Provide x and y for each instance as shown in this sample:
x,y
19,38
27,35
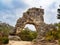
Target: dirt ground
x,y
19,43
11,42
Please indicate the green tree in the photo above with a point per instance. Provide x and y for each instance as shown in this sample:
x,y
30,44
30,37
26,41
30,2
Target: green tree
x,y
27,34
54,33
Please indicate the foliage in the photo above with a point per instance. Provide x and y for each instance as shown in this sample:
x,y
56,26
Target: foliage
x,y
27,34
5,28
4,32
51,35
58,31
5,40
54,34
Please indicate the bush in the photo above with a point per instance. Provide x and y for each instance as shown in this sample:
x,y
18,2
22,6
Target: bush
x,y
27,35
54,34
51,35
5,40
0,40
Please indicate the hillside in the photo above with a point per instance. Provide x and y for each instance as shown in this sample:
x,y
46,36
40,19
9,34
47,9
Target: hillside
x,y
6,28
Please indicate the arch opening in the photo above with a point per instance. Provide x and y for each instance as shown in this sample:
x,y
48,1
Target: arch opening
x,y
30,26
28,33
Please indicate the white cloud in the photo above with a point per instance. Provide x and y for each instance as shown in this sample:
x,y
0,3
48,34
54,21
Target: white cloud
x,y
38,3
46,4
18,12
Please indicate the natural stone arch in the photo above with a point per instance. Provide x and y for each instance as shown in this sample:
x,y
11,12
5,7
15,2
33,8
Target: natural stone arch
x,y
32,16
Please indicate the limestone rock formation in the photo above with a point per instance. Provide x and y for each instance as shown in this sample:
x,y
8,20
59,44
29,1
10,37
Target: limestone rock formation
x,y
34,16
43,29
15,38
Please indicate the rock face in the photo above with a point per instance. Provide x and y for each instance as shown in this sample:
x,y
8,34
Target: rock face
x,y
15,38
34,16
43,29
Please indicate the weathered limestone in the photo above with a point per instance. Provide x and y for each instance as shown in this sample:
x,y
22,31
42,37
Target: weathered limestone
x,y
34,16
43,29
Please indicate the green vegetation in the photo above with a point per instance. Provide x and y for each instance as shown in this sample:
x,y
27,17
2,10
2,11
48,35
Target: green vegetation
x,y
5,40
27,34
54,34
5,28
4,32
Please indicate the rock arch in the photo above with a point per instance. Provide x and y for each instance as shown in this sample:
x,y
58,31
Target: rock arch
x,y
32,16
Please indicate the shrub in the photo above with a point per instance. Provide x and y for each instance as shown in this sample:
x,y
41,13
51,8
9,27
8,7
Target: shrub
x,y
0,40
51,35
54,34
27,35
5,40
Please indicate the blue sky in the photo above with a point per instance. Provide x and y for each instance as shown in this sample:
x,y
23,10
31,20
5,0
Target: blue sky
x,y
11,10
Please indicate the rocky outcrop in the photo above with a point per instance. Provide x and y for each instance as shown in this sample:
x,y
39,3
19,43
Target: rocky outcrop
x,y
34,16
15,38
40,40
